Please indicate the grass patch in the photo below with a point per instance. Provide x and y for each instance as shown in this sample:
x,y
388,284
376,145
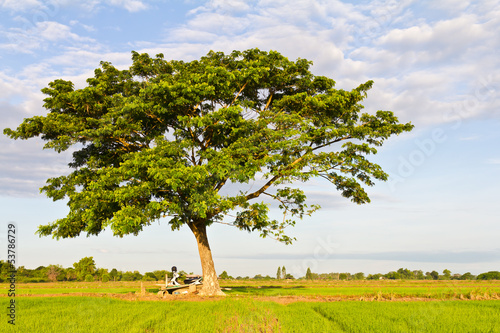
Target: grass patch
x,y
91,314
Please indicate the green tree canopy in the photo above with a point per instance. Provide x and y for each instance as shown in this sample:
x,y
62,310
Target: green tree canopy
x,y
492,275
167,138
86,266
309,275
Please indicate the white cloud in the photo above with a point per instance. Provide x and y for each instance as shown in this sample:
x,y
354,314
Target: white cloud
x,y
41,35
222,5
420,67
439,39
453,6
130,5
9,86
423,69
24,165
493,161
93,5
88,28
19,5
54,31
89,5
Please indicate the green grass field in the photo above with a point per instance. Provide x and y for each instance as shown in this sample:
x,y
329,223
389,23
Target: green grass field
x,y
442,289
257,306
367,289
91,314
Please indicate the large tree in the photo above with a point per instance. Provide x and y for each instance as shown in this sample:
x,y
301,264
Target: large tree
x,y
172,139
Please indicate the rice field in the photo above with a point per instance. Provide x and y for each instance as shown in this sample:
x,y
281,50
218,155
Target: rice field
x,y
92,314
261,306
442,289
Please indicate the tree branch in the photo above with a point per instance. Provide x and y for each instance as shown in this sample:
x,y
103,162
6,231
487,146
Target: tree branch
x,y
238,94
271,94
219,186
272,180
331,142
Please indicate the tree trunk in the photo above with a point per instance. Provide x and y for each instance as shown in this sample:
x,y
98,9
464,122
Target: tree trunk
x,y
210,282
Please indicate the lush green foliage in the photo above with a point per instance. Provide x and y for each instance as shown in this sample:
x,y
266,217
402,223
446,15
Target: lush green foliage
x,y
85,268
309,275
80,270
84,314
493,275
167,138
374,290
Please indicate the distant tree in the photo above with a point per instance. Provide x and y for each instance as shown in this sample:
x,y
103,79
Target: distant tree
x,y
283,272
467,276
137,276
5,269
278,273
182,275
374,276
40,272
160,274
105,278
343,276
492,275
128,276
22,274
146,277
114,274
405,273
89,278
446,274
359,276
84,267
434,275
100,272
418,274
309,274
70,274
243,278
167,138
55,273
289,277
393,276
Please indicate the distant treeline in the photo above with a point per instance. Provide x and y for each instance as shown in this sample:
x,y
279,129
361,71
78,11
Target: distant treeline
x,y
400,274
86,270
83,270
404,274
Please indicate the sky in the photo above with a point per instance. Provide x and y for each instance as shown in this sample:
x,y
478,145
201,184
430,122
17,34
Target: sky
x,y
434,63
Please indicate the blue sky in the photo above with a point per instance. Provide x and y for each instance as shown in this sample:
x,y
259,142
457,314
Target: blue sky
x,y
434,63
